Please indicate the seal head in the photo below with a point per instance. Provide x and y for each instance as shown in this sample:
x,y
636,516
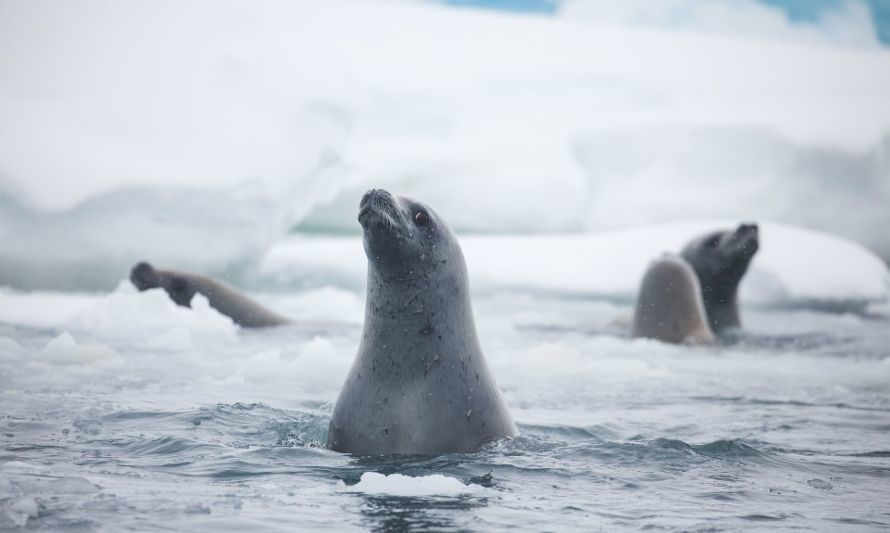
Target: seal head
x,y
669,305
419,383
401,236
720,260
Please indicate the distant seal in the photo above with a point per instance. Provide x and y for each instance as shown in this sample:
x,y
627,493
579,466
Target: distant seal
x,y
669,304
182,287
720,260
419,384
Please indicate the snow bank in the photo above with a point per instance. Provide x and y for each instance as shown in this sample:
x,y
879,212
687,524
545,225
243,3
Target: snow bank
x,y
795,266
123,317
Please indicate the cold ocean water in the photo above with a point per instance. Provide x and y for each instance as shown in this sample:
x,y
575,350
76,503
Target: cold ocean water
x,y
122,411
566,151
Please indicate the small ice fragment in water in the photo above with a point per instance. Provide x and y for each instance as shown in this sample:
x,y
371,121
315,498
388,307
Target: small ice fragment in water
x,y
401,485
820,484
19,511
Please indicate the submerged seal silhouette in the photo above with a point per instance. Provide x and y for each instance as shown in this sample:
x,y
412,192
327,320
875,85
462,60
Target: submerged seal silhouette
x,y
419,383
720,260
182,287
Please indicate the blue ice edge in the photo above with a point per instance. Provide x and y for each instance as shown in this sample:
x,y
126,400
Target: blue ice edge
x,y
797,11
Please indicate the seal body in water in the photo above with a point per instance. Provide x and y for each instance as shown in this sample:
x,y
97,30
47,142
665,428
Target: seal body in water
x,y
420,383
669,305
720,260
182,287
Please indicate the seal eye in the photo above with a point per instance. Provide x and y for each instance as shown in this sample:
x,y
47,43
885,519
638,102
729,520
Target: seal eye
x,y
421,218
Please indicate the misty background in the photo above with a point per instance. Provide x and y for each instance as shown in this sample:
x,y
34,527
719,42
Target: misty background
x,y
200,138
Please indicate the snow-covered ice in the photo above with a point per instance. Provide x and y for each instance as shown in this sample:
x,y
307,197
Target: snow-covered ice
x,y
794,267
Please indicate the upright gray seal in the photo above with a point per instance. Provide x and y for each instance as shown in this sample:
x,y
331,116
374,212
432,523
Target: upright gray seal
x,y
669,304
720,260
182,287
420,383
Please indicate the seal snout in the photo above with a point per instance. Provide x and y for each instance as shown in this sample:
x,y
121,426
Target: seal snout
x,y
748,229
377,204
144,276
749,236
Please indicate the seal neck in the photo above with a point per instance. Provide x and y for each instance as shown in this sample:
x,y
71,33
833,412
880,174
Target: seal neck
x,y
420,320
722,309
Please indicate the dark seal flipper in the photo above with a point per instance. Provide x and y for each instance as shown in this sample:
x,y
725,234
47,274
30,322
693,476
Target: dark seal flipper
x,y
182,287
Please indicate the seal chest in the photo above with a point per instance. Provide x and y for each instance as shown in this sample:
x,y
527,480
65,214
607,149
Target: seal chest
x,y
419,383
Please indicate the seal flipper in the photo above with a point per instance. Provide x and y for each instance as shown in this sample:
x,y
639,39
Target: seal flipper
x,y
181,287
143,276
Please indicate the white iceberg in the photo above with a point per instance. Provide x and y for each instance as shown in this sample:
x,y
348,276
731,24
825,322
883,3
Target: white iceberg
x,y
794,267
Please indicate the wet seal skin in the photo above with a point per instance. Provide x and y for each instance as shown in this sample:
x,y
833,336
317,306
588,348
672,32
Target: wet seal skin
x,y
720,260
182,287
669,305
419,383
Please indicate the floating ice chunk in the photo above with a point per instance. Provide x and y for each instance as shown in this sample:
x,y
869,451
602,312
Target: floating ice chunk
x,y
265,366
174,339
63,349
70,485
150,319
325,304
401,485
320,362
42,308
9,348
18,511
21,466
316,364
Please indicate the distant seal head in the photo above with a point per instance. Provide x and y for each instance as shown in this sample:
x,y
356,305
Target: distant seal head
x,y
182,287
419,383
669,305
720,260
